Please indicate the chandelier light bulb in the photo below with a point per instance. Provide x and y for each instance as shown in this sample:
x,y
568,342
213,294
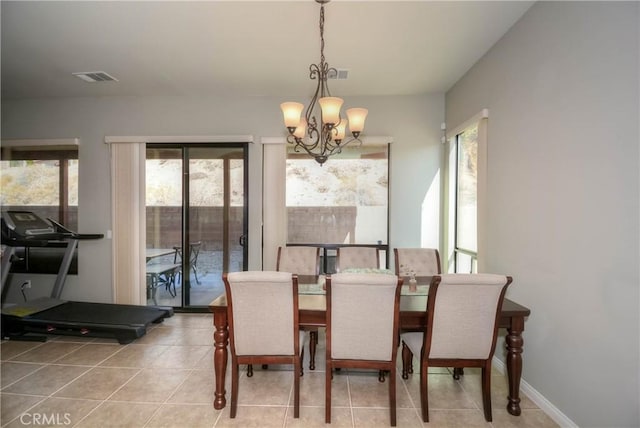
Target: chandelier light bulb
x,y
301,129
357,117
330,110
291,112
341,129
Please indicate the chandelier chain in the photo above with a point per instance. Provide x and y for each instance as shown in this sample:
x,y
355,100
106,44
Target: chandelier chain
x,y
322,34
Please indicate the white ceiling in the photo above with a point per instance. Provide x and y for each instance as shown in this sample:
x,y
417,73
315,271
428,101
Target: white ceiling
x,y
244,48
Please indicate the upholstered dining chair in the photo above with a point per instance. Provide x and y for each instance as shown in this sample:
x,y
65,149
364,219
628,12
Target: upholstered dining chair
x,y
362,327
299,260
304,262
463,312
251,299
419,261
357,258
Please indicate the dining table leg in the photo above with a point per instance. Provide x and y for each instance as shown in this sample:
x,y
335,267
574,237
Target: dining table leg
x,y
514,342
220,342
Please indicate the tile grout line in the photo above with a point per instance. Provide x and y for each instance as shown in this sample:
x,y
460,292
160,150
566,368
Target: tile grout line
x,y
98,365
417,410
190,372
53,363
42,366
353,418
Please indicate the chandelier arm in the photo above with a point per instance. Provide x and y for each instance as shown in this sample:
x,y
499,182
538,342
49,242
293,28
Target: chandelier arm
x,y
351,140
338,147
298,144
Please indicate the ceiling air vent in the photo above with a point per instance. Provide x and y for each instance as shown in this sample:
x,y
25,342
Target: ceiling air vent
x,y
95,76
339,74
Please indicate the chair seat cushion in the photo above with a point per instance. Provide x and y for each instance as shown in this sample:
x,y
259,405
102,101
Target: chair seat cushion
x,y
413,342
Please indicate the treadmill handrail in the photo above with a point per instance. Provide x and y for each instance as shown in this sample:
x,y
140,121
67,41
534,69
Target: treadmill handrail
x,y
69,234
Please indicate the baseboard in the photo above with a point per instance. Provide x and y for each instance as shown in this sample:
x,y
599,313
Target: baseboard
x,y
539,399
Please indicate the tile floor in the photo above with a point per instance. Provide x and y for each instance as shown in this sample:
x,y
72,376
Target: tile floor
x,y
165,379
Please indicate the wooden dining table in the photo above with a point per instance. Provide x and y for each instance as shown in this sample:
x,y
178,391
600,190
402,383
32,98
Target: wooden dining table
x,y
413,316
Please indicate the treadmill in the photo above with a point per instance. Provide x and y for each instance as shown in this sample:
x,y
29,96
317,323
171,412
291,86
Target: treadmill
x,y
51,315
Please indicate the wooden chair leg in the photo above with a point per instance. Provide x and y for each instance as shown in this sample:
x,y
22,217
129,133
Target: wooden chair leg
x,y
392,396
457,372
327,393
424,391
486,391
313,341
297,372
234,389
407,361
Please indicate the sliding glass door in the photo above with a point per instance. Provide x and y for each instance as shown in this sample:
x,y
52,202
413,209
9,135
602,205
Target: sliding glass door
x,y
196,220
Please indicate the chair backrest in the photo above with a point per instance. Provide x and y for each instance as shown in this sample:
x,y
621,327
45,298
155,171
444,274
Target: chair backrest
x,y
262,311
194,249
363,316
299,260
357,257
420,261
463,313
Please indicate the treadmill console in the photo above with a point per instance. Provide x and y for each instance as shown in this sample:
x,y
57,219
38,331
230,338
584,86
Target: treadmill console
x,y
27,223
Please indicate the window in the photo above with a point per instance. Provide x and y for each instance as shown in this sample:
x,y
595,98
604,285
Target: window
x,y
43,179
465,196
466,205
343,202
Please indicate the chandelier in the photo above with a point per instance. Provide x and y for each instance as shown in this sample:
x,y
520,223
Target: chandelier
x,y
323,138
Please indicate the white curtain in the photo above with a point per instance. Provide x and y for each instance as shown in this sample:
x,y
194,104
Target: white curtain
x,y
128,223
274,214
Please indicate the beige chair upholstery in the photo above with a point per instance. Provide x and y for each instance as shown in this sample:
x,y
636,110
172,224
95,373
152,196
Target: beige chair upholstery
x,y
362,327
421,261
357,258
257,332
299,260
303,262
462,326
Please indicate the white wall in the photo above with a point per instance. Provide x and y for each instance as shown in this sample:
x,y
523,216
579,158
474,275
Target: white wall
x,y
563,180
413,122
